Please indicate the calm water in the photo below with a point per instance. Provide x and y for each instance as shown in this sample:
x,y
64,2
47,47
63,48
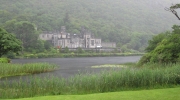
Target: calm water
x,y
72,66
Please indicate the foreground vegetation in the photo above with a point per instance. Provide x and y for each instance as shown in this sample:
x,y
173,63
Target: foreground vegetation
x,y
156,94
149,77
8,69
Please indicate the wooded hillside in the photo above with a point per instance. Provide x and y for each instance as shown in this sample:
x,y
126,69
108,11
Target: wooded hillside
x,y
129,23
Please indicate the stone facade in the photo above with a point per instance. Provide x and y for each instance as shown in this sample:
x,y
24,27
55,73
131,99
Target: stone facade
x,y
108,45
63,39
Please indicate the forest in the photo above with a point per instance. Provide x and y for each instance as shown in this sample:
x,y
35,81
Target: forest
x,y
128,23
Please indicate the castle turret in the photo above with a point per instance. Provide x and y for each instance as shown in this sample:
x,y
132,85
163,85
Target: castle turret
x,y
63,29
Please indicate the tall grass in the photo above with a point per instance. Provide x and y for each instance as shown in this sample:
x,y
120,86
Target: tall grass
x,y
20,69
106,81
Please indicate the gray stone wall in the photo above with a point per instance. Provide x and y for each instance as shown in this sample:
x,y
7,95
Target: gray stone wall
x,y
108,45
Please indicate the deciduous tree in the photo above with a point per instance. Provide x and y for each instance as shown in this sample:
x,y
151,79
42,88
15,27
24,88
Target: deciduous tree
x,y
164,48
172,9
8,43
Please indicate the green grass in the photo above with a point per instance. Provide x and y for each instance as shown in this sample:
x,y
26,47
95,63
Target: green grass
x,y
156,94
5,60
8,69
109,66
72,54
106,81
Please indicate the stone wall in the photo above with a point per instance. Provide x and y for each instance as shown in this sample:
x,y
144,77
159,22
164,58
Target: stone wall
x,y
108,45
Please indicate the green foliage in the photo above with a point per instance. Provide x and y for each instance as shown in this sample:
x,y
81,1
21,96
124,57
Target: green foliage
x,y
54,50
7,70
5,60
66,50
80,50
131,23
175,6
10,55
153,94
39,46
30,56
164,48
153,43
47,45
8,43
176,29
71,54
105,81
25,31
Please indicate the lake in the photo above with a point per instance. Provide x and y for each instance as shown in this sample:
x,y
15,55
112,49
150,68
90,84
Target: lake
x,y
72,66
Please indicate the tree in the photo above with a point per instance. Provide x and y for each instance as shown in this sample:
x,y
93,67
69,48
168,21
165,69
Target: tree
x,y
163,48
66,19
152,44
8,43
80,50
47,45
66,50
25,31
176,29
9,26
172,9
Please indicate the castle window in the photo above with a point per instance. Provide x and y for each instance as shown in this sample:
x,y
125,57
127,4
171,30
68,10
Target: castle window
x,y
92,42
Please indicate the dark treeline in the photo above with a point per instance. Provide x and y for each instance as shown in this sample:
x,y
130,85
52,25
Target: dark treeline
x,y
128,23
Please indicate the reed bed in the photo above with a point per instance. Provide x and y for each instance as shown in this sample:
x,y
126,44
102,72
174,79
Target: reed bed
x,y
148,77
8,69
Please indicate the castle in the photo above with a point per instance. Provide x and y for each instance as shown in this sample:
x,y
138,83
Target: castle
x,y
63,39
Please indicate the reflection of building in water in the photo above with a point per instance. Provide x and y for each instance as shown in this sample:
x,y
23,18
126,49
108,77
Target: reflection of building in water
x,y
63,39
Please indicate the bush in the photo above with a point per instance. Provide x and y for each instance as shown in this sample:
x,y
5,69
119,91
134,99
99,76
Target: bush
x,y
11,55
145,59
5,60
165,51
42,55
30,56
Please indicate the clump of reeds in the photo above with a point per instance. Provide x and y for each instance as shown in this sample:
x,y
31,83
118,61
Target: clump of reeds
x,y
8,69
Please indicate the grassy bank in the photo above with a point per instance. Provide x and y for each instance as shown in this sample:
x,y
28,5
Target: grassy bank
x,y
106,81
156,94
8,69
72,54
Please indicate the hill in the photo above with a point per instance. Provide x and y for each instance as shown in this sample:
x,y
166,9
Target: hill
x,y
128,23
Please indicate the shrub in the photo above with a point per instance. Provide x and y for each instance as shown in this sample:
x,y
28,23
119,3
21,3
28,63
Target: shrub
x,y
163,48
31,56
42,55
5,60
11,55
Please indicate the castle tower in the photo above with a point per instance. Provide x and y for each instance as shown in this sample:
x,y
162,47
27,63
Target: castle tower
x,y
82,30
63,29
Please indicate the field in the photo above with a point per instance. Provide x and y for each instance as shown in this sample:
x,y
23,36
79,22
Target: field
x,y
156,94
